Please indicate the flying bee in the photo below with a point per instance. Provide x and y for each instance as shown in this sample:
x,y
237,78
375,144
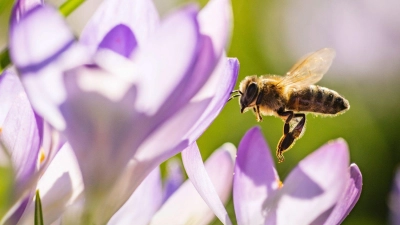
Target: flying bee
x,y
291,96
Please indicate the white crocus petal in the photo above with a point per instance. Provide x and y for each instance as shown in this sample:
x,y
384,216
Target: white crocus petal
x,y
198,176
312,188
215,21
143,204
140,16
59,187
193,209
172,48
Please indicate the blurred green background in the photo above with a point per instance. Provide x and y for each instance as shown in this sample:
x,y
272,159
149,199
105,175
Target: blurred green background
x,y
270,36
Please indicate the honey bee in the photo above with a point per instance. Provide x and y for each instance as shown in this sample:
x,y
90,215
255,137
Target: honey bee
x,y
291,96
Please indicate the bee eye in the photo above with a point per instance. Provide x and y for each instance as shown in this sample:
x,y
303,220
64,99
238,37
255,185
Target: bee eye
x,y
251,92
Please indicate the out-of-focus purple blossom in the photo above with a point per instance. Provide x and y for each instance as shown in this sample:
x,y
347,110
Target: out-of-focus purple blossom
x,y
321,189
132,92
26,140
394,200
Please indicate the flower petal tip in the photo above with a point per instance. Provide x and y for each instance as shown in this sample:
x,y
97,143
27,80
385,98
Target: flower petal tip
x,y
355,174
230,148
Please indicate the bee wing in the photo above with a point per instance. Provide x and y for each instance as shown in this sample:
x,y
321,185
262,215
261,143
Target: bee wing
x,y
309,69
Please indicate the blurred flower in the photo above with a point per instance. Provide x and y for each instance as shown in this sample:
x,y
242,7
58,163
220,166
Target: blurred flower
x,y
321,189
394,201
133,91
26,142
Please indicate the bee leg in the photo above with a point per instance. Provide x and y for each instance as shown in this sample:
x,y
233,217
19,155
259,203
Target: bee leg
x,y
289,115
300,125
258,113
284,144
288,139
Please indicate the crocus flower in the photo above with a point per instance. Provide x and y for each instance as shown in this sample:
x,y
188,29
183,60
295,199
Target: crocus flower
x,y
131,93
26,143
321,189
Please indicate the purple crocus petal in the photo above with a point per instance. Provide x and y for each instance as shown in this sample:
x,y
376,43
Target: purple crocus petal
x,y
173,48
10,88
60,186
215,21
43,57
174,178
394,201
312,188
255,178
216,174
202,182
19,132
144,202
349,198
33,53
23,6
120,39
139,16
219,88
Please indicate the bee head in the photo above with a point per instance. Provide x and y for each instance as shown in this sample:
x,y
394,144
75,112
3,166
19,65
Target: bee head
x,y
249,95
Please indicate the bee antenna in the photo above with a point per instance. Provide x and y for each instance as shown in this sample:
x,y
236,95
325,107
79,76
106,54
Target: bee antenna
x,y
234,96
236,91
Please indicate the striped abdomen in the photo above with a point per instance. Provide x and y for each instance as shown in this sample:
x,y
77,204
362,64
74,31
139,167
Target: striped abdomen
x,y
317,99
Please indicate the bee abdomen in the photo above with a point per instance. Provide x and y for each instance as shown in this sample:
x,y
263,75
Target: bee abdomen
x,y
317,99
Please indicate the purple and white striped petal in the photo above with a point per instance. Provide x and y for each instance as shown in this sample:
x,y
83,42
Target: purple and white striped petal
x,y
255,178
312,188
10,88
140,16
143,204
43,57
20,130
209,184
349,198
